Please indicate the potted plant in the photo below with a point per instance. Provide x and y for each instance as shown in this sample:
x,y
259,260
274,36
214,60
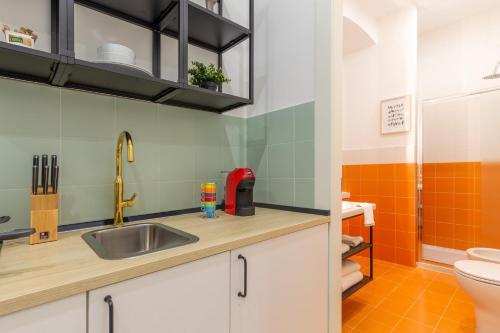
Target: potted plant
x,y
207,77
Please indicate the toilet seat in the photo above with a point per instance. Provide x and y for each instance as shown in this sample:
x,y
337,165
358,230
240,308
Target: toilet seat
x,y
481,271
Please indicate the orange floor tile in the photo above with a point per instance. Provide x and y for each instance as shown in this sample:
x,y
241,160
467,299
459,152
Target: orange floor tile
x,y
407,300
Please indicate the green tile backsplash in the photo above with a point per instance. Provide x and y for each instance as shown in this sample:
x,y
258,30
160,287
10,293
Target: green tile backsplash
x,y
176,150
280,148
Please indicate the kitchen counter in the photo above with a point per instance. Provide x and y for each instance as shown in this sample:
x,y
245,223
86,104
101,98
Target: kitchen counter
x,y
38,274
352,209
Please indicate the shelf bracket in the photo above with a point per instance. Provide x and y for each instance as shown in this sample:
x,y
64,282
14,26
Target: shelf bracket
x,y
166,95
60,73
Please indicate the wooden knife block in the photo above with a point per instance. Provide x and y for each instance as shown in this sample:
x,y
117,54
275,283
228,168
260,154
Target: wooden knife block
x,y
44,217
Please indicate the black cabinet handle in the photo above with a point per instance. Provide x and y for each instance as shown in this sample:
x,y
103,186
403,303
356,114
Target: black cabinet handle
x,y
109,300
244,293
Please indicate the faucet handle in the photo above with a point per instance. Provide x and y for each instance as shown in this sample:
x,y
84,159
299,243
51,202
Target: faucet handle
x,y
130,202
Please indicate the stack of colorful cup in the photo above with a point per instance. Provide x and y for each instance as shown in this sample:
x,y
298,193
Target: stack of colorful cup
x,y
209,199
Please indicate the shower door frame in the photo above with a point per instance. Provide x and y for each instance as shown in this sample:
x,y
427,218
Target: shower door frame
x,y
419,157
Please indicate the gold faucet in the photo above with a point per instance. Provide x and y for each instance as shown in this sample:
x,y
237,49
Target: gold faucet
x,y
119,202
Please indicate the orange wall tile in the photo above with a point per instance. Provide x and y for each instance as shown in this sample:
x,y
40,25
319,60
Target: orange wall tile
x,y
451,204
392,188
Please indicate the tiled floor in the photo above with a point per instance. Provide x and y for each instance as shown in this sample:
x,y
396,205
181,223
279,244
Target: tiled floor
x,y
408,300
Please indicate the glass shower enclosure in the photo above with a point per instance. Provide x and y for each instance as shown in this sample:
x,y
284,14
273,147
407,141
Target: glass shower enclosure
x,y
459,175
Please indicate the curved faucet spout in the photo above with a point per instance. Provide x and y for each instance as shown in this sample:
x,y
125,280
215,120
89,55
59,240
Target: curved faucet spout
x,y
120,203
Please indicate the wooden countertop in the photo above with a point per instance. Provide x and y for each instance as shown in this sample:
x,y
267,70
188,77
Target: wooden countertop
x,y
31,275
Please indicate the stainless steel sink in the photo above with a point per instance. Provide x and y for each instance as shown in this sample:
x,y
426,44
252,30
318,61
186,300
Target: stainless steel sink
x,y
135,240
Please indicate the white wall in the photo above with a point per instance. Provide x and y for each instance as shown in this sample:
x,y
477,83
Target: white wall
x,y
284,54
455,58
383,71
451,130
14,14
453,61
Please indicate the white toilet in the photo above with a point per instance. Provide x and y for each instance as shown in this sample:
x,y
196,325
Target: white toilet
x,y
484,254
481,281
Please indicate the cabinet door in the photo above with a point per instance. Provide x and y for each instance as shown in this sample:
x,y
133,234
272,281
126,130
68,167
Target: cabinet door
x,y
190,298
287,284
63,316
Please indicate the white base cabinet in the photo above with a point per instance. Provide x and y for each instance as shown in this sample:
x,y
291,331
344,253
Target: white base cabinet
x,y
190,298
287,284
282,289
63,316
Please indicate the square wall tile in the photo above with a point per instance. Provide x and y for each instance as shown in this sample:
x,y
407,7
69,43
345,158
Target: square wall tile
x,y
209,162
29,109
18,151
86,203
146,165
304,122
234,157
281,161
87,162
304,193
304,159
257,130
261,190
257,159
87,115
147,200
281,192
140,119
209,129
177,162
281,126
234,130
177,125
177,195
16,204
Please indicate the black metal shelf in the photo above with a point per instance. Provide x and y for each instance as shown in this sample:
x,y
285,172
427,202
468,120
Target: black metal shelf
x,y
204,99
27,64
145,13
356,287
208,30
116,80
355,250
182,19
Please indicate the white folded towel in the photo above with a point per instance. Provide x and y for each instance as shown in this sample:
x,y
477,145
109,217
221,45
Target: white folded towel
x,y
368,214
351,279
349,266
345,248
352,240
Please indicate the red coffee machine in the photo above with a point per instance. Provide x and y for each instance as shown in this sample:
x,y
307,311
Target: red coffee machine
x,y
239,192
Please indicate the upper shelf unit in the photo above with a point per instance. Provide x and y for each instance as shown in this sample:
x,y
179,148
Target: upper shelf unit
x,y
184,20
206,29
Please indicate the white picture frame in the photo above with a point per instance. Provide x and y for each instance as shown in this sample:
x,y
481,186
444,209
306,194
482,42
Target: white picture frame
x,y
395,115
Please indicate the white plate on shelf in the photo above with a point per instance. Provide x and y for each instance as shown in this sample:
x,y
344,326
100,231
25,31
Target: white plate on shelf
x,y
129,66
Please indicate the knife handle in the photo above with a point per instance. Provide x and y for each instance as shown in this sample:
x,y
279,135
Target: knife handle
x,y
34,180
45,179
52,166
55,181
45,160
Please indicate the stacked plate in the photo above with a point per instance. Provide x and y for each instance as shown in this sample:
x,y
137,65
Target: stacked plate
x,y
118,55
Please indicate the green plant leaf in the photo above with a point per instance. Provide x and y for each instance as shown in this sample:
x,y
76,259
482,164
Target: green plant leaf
x,y
200,73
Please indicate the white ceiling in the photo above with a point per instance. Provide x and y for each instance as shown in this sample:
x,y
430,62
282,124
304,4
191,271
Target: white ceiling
x,y
432,14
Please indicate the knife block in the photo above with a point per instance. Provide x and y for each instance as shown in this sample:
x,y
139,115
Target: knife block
x,y
44,217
